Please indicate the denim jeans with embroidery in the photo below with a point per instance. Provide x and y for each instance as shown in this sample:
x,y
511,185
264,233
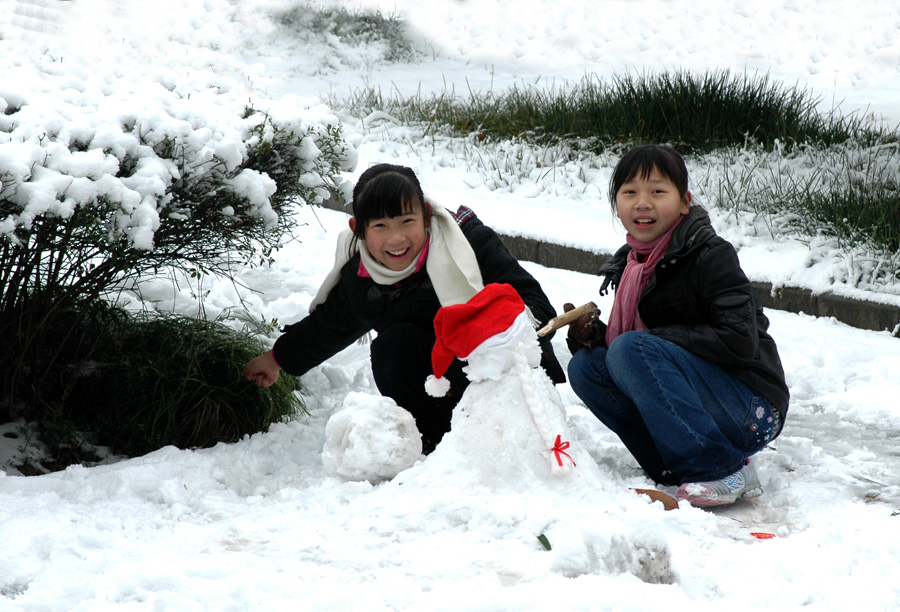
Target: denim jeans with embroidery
x,y
684,419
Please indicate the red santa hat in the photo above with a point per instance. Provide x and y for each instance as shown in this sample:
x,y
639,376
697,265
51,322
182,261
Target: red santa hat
x,y
461,328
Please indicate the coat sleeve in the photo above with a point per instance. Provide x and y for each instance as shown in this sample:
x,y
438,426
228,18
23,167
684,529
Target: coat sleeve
x,y
727,332
331,327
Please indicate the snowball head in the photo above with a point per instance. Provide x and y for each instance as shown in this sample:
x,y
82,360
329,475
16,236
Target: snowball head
x,y
370,438
496,356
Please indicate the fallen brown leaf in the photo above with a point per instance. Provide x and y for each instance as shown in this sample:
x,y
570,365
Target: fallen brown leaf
x,y
668,502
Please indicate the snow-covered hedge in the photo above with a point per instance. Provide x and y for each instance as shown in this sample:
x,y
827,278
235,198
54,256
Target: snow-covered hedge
x,y
96,192
186,161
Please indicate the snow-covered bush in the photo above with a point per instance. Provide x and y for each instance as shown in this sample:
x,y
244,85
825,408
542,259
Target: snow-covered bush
x,y
147,181
92,197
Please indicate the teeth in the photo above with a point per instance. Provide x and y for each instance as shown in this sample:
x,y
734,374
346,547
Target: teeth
x,y
397,253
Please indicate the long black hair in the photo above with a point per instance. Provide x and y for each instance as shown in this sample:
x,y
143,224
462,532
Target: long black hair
x,y
641,161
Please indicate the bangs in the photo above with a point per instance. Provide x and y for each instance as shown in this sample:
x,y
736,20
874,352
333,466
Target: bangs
x,y
386,195
640,162
644,168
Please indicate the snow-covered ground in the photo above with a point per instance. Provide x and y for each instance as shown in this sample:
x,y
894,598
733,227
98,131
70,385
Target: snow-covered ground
x,y
262,525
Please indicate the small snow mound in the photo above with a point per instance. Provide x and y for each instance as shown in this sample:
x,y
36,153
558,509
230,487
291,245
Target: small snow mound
x,y
370,438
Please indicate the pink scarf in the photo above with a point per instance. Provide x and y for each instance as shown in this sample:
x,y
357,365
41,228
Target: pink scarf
x,y
624,315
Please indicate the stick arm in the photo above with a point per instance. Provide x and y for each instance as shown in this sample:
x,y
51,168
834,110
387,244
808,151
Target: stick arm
x,y
565,318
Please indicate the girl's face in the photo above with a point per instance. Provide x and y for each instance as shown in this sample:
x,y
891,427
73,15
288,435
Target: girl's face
x,y
649,207
396,241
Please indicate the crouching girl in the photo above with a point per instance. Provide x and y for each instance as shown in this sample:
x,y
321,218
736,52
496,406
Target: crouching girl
x,y
684,371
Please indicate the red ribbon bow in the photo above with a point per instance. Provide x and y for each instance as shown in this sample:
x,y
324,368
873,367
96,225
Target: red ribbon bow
x,y
560,449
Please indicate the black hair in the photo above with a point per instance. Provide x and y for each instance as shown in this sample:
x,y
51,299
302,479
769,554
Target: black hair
x,y
641,161
386,190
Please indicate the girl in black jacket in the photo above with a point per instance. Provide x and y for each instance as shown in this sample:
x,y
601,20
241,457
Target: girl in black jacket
x,y
401,260
684,371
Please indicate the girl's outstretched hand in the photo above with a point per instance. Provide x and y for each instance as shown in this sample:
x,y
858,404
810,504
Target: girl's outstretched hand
x,y
262,370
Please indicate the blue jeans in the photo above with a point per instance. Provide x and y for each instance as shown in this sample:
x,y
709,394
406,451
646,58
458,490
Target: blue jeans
x,y
684,419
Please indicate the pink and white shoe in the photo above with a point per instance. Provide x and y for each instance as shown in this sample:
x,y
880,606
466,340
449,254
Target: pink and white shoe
x,y
740,486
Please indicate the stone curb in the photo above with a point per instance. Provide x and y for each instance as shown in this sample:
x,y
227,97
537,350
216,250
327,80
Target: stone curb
x,y
856,313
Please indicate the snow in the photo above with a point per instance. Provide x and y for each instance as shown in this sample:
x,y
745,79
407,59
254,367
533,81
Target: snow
x,y
370,438
263,524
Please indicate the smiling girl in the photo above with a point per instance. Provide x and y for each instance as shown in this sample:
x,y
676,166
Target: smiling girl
x,y
402,259
684,372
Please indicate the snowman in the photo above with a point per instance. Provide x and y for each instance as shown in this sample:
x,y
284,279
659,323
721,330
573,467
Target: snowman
x,y
511,447
509,428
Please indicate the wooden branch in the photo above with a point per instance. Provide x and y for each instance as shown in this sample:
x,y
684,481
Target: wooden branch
x,y
565,318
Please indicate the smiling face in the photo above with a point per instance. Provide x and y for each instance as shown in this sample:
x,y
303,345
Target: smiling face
x,y
397,241
649,206
390,215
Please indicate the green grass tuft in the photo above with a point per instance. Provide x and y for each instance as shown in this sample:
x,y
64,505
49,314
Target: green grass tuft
x,y
696,113
158,380
383,33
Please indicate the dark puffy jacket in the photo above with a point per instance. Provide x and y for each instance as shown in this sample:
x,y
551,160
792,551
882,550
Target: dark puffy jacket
x,y
700,299
357,305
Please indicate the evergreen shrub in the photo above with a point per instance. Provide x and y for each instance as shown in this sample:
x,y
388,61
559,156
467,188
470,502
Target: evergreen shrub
x,y
155,380
89,207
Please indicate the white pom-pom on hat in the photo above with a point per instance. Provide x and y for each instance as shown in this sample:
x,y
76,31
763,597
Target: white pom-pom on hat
x,y
436,387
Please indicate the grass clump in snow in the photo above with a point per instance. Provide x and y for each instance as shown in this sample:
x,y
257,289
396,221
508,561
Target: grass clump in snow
x,y
849,193
696,113
144,381
380,37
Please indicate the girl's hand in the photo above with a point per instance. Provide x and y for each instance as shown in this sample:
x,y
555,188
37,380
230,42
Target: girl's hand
x,y
588,330
262,370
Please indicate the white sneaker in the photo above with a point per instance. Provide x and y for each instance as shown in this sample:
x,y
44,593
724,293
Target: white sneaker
x,y
742,485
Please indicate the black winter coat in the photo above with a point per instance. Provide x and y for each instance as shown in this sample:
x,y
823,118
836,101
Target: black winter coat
x,y
357,305
700,299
